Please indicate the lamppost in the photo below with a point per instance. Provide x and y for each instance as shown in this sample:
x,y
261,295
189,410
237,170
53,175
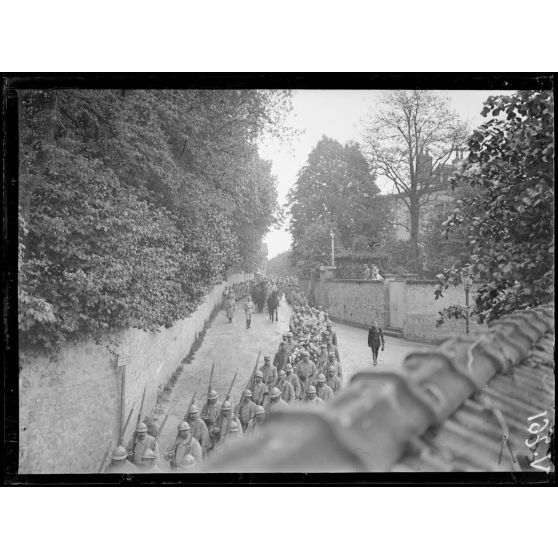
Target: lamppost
x,y
467,284
332,234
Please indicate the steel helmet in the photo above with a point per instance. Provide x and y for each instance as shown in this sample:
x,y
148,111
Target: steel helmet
x,y
183,426
193,410
311,389
289,366
281,372
331,369
233,426
149,454
187,461
321,378
259,410
259,374
141,427
212,394
267,357
331,353
275,392
119,453
247,393
226,406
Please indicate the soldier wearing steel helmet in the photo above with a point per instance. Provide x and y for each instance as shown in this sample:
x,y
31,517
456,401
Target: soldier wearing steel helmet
x,y
198,429
221,427
148,464
286,388
321,361
231,430
332,333
269,372
275,403
140,443
245,409
335,364
331,348
185,444
292,378
186,464
323,391
305,369
255,425
260,391
334,381
211,410
119,462
311,397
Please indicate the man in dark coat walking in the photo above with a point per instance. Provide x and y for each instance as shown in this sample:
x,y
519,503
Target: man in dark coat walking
x,y
375,340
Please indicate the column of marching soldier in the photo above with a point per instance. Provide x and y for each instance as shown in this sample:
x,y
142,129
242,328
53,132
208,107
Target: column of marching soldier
x,y
305,371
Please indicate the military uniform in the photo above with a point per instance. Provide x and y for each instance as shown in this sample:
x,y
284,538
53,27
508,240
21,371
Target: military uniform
x,y
305,370
333,349
210,413
260,393
287,390
337,366
277,405
269,375
175,454
200,432
137,448
324,392
280,359
295,382
119,464
245,412
335,383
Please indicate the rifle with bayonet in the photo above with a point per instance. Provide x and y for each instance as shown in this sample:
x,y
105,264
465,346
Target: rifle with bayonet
x,y
250,384
137,422
102,467
159,432
227,397
120,441
209,387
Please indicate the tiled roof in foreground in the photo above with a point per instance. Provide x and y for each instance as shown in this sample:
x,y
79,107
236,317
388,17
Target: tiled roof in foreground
x,y
470,404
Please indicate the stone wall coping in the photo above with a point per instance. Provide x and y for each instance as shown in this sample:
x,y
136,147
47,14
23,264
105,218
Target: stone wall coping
x,y
431,282
336,280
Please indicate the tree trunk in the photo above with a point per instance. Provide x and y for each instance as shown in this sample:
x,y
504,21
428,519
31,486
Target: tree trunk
x,y
414,250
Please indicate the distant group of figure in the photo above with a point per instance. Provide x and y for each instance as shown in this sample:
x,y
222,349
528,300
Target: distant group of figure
x,y
305,371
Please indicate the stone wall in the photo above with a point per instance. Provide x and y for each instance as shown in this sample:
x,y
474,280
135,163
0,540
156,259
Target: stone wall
x,y
422,311
358,302
355,302
70,408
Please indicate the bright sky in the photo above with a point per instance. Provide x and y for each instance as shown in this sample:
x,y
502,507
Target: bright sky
x,y
337,114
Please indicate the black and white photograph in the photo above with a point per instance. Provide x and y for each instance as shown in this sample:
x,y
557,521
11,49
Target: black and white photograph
x,y
280,279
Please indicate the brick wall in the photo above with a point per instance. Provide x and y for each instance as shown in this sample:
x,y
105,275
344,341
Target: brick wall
x,y
70,407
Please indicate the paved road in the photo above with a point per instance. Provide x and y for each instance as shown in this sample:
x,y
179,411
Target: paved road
x,y
233,347
355,354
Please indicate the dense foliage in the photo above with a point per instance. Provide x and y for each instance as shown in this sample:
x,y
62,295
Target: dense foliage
x,y
281,265
134,203
335,191
508,218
